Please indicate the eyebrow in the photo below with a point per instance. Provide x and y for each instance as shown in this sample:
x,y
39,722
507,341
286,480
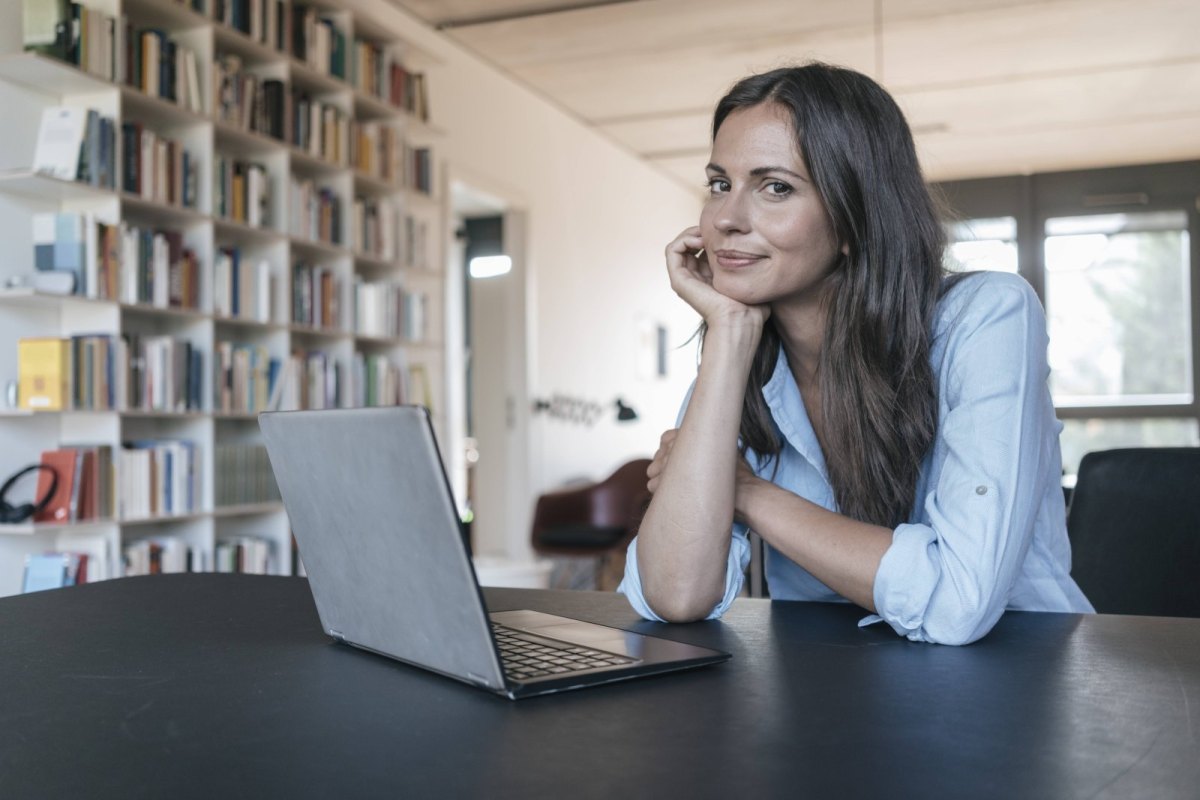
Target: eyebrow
x,y
758,171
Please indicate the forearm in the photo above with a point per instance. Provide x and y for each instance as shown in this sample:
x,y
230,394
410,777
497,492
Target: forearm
x,y
841,552
683,541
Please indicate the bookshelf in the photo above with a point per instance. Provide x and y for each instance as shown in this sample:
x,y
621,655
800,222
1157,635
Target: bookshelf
x,y
336,238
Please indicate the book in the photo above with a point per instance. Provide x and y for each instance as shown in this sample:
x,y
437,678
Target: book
x,y
63,463
60,142
44,374
47,571
46,27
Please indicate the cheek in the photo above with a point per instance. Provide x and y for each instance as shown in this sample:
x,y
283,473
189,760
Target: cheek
x,y
706,218
809,236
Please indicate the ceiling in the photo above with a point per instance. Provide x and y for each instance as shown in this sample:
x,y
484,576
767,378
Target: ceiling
x,y
991,87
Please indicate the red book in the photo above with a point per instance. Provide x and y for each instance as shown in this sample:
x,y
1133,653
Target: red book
x,y
59,509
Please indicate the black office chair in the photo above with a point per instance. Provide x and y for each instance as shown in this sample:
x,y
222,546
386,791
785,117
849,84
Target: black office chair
x,y
1134,526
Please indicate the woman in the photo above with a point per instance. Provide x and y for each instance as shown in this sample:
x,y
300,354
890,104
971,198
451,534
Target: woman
x,y
886,429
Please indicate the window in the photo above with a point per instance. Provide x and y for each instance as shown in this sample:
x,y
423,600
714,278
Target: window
x,y
1082,436
980,244
1109,252
1118,309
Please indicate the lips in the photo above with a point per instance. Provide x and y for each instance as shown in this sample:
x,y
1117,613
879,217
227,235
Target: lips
x,y
737,259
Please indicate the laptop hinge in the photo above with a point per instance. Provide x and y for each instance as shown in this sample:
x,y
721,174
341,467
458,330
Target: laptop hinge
x,y
337,635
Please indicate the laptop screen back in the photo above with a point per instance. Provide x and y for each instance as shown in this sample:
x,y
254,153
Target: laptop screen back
x,y
379,535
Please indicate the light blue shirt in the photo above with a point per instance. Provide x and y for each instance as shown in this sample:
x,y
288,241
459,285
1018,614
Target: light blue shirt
x,y
988,529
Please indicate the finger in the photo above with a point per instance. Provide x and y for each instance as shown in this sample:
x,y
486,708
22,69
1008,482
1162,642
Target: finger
x,y
681,252
656,466
703,268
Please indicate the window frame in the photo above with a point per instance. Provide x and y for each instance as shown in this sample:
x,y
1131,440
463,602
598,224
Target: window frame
x,y
1033,199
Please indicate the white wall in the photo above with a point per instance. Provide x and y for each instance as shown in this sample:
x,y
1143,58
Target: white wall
x,y
598,221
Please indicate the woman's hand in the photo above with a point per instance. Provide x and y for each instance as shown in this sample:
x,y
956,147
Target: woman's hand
x,y
743,478
692,279
655,470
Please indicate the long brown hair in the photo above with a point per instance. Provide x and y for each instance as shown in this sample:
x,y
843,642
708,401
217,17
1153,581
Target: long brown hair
x,y
878,392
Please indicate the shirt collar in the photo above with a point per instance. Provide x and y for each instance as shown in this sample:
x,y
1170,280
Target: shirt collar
x,y
787,408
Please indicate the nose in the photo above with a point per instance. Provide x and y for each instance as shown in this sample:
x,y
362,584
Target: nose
x,y
731,215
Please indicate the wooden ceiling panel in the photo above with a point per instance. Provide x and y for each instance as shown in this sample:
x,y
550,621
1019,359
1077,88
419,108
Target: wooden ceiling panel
x,y
1051,38
990,86
1098,98
685,78
949,157
651,27
679,133
457,12
895,10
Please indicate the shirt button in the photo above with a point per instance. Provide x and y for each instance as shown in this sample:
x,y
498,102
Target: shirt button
x,y
980,490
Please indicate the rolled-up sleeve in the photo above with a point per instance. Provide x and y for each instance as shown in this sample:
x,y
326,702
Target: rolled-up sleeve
x,y
735,570
949,580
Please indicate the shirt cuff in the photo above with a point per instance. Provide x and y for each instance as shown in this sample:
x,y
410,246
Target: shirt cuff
x,y
908,573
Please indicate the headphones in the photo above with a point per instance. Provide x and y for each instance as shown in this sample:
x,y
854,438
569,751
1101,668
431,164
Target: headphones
x,y
10,513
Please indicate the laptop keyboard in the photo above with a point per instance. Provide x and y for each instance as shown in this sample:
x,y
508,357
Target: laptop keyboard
x,y
536,657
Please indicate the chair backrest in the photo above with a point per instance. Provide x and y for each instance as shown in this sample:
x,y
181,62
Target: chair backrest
x,y
1134,526
594,516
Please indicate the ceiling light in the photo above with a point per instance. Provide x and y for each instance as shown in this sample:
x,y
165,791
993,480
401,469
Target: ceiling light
x,y
490,266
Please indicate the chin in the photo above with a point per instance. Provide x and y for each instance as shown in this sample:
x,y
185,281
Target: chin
x,y
740,288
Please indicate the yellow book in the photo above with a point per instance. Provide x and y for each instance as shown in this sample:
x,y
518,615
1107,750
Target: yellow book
x,y
44,374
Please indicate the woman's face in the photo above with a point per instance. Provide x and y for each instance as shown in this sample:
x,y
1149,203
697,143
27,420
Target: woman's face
x,y
766,233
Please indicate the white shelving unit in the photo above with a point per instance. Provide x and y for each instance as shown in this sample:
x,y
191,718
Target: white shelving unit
x,y
30,82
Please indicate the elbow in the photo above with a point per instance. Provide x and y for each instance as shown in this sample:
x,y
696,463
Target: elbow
x,y
678,607
964,626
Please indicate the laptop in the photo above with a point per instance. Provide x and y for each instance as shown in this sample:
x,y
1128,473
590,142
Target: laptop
x,y
377,527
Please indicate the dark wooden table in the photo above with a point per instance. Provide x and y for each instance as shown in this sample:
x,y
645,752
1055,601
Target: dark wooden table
x,y
225,686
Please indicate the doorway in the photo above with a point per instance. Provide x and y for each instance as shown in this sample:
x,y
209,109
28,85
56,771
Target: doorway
x,y
489,426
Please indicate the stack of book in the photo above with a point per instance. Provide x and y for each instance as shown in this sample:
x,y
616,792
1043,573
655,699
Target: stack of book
x,y
418,169
378,381
250,102
316,212
247,554
161,67
267,22
162,555
157,478
119,262
241,192
374,71
246,378
316,297
320,129
376,149
157,168
77,144
243,475
242,287
318,42
72,32
414,318
102,372
84,489
374,228
312,379
114,49
379,309
54,571
416,243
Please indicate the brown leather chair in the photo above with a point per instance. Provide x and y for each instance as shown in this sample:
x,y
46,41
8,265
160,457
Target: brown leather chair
x,y
595,520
